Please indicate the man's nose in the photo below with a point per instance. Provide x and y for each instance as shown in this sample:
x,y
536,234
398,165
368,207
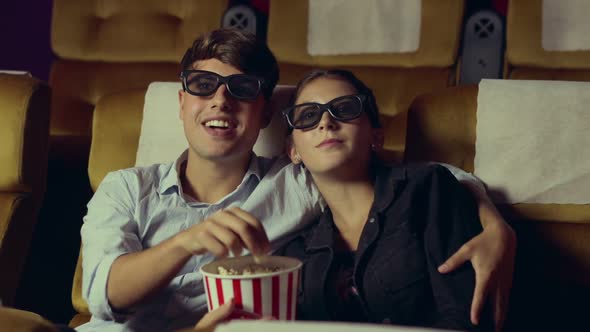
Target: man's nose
x,y
222,98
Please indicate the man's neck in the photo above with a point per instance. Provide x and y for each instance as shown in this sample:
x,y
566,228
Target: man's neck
x,y
209,181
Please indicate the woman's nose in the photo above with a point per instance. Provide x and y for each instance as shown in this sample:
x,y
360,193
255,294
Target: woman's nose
x,y
327,122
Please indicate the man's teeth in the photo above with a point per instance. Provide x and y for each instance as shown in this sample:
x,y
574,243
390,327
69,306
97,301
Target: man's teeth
x,y
217,123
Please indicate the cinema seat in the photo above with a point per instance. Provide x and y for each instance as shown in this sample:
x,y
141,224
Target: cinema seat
x,y
527,58
552,270
24,125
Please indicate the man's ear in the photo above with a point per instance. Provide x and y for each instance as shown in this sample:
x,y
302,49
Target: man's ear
x,y
292,151
180,103
378,139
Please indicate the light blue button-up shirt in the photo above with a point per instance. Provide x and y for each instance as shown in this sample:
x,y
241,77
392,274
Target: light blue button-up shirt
x,y
137,208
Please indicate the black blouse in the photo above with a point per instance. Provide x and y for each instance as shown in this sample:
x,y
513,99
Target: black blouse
x,y
419,218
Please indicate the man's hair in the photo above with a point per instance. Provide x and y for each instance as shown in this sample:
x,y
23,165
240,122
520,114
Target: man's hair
x,y
239,49
347,76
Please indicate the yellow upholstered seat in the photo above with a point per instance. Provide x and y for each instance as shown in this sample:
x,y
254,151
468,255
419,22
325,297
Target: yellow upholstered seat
x,y
116,128
24,123
110,46
552,272
525,56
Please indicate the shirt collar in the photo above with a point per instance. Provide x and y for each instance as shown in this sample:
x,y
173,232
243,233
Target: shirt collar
x,y
171,178
254,167
388,182
322,235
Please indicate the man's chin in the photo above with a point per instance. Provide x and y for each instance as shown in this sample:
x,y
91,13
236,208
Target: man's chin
x,y
222,155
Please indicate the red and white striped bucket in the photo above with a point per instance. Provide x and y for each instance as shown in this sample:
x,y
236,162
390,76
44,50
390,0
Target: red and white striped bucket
x,y
261,295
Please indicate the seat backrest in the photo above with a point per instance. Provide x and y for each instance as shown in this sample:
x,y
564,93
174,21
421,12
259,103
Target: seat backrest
x,y
116,126
395,77
538,41
552,271
24,125
109,46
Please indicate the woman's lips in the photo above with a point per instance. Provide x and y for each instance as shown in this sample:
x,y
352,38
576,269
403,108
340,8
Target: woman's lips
x,y
329,143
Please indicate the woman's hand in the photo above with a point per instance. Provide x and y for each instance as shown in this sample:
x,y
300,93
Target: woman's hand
x,y
492,255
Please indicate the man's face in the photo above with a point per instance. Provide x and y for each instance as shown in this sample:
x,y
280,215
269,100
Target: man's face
x,y
220,127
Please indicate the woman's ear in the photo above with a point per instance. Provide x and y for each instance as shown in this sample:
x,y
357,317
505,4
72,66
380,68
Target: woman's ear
x,y
292,151
378,139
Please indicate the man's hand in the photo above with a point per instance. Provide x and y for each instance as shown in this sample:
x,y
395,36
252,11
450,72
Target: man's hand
x,y
492,255
219,315
225,231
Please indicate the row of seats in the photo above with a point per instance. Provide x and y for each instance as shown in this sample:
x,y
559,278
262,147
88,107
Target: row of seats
x,y
109,47
553,262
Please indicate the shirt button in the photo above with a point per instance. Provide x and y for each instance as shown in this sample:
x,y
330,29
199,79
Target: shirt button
x,y
372,220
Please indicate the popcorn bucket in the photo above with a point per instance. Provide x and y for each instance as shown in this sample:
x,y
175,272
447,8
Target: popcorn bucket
x,y
255,295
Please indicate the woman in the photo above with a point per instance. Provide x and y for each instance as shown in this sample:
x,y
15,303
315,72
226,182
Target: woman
x,y
373,255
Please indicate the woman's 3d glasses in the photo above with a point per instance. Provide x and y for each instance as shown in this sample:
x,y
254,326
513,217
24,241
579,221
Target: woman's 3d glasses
x,y
308,115
205,83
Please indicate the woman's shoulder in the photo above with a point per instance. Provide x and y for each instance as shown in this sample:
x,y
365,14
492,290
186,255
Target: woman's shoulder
x,y
428,172
418,173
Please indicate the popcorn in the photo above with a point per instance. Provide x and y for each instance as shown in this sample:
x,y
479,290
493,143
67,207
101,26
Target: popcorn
x,y
248,270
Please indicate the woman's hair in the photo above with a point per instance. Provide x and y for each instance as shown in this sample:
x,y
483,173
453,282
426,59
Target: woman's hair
x,y
239,49
347,76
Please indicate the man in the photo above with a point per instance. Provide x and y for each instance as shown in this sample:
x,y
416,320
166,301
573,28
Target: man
x,y
149,230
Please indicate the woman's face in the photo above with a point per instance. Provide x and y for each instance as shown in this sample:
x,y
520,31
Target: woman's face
x,y
332,146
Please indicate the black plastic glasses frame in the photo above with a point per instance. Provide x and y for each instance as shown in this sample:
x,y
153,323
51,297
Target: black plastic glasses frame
x,y
221,80
327,107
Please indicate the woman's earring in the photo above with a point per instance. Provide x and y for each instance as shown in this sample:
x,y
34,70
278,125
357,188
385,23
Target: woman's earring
x,y
297,159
